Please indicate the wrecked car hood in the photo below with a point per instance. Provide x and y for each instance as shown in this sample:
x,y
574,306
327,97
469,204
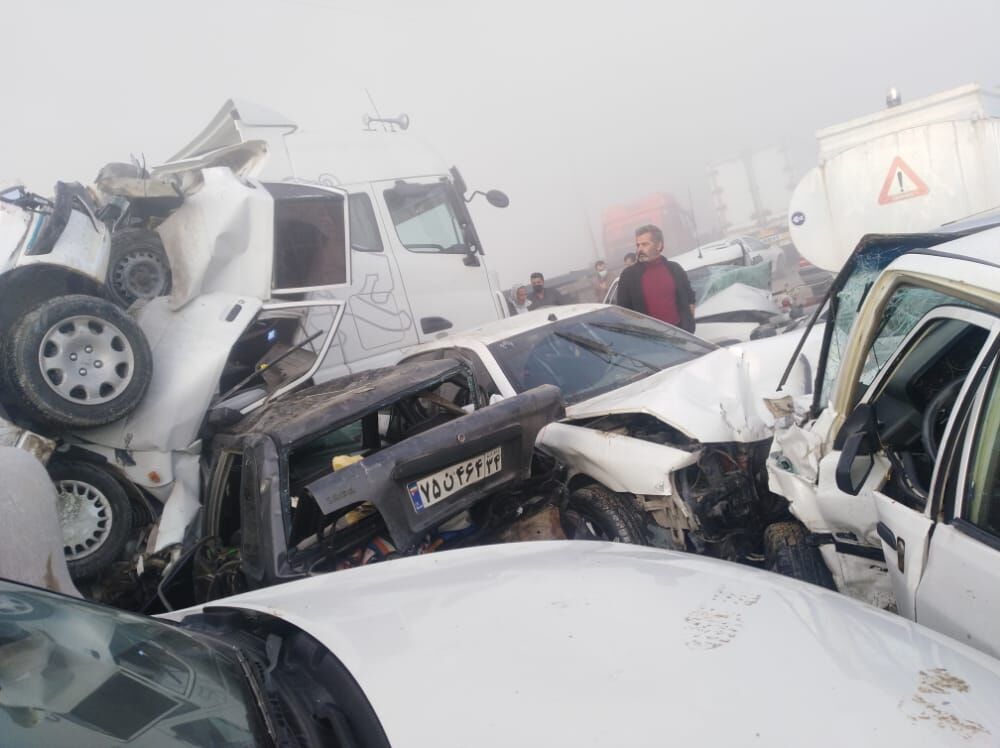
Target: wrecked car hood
x,y
712,399
510,644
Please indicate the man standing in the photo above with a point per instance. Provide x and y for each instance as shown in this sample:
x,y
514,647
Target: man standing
x,y
655,285
521,304
540,296
599,281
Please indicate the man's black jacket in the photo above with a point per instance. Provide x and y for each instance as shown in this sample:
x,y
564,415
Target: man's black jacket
x,y
630,290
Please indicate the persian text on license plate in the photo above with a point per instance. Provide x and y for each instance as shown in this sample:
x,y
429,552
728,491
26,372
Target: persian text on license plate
x,y
451,480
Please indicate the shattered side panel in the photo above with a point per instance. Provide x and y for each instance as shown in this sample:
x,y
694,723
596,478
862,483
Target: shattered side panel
x,y
622,463
221,240
383,478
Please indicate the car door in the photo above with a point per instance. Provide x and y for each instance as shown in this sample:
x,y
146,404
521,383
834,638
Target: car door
x,y
437,251
959,591
896,329
905,528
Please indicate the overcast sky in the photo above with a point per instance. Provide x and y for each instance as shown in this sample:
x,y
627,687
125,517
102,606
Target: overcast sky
x,y
569,108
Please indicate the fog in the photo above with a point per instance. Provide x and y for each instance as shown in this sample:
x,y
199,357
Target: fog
x,y
567,108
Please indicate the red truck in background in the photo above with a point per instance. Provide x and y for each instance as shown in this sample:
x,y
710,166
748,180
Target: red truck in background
x,y
660,209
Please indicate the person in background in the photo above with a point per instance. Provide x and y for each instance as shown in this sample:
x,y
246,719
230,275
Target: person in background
x,y
629,259
599,281
656,286
521,303
541,296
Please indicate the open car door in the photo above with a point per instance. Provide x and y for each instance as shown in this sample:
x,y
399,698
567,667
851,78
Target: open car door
x,y
959,591
908,417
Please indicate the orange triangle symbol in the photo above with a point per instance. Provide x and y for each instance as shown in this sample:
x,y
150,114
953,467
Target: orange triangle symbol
x,y
901,183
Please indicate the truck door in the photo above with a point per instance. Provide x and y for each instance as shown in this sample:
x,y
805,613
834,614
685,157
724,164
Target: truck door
x,y
444,271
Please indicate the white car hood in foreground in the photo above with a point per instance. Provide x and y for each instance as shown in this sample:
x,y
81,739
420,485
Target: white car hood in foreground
x,y
712,399
598,644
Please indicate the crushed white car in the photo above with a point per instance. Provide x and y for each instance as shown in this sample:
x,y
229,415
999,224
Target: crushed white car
x,y
247,269
665,434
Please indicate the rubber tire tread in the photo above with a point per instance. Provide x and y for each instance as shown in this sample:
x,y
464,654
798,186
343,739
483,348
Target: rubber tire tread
x,y
125,241
615,514
787,551
121,511
39,403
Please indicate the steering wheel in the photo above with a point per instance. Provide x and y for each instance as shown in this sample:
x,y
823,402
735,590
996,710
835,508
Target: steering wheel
x,y
939,405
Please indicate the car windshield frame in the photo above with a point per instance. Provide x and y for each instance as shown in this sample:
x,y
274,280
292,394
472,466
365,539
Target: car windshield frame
x,y
624,346
78,658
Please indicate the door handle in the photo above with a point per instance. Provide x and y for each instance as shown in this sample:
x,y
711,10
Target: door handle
x,y
886,534
897,544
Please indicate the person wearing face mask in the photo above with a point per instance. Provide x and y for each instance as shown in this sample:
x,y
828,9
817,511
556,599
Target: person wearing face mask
x,y
656,286
600,281
542,296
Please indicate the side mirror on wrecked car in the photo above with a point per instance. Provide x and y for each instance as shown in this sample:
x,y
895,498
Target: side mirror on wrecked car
x,y
856,442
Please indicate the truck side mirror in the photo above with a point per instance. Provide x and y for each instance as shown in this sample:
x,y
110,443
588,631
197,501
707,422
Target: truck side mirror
x,y
497,199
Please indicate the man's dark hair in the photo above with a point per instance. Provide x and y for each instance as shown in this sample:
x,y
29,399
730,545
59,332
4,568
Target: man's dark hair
x,y
537,275
629,255
650,229
599,262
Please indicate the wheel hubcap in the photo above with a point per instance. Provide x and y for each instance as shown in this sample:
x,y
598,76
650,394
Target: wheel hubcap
x,y
86,360
85,517
140,275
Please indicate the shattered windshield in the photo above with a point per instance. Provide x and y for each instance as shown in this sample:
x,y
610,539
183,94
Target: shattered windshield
x,y
849,299
594,353
75,673
710,280
424,218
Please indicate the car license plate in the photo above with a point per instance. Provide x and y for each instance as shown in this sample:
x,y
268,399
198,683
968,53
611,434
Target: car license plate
x,y
444,483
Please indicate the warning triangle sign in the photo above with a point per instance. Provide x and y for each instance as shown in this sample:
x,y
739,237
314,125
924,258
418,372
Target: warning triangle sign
x,y
901,183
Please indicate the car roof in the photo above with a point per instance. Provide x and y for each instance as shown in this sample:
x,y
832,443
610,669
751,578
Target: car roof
x,y
516,641
316,408
981,244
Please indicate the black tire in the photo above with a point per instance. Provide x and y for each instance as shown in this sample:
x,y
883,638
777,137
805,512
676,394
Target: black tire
x,y
41,373
138,267
787,551
595,513
97,505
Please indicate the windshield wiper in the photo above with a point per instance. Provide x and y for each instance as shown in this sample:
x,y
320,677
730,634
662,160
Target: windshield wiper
x,y
603,349
643,332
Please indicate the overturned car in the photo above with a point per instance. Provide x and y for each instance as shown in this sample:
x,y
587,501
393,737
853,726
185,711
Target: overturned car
x,y
223,279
